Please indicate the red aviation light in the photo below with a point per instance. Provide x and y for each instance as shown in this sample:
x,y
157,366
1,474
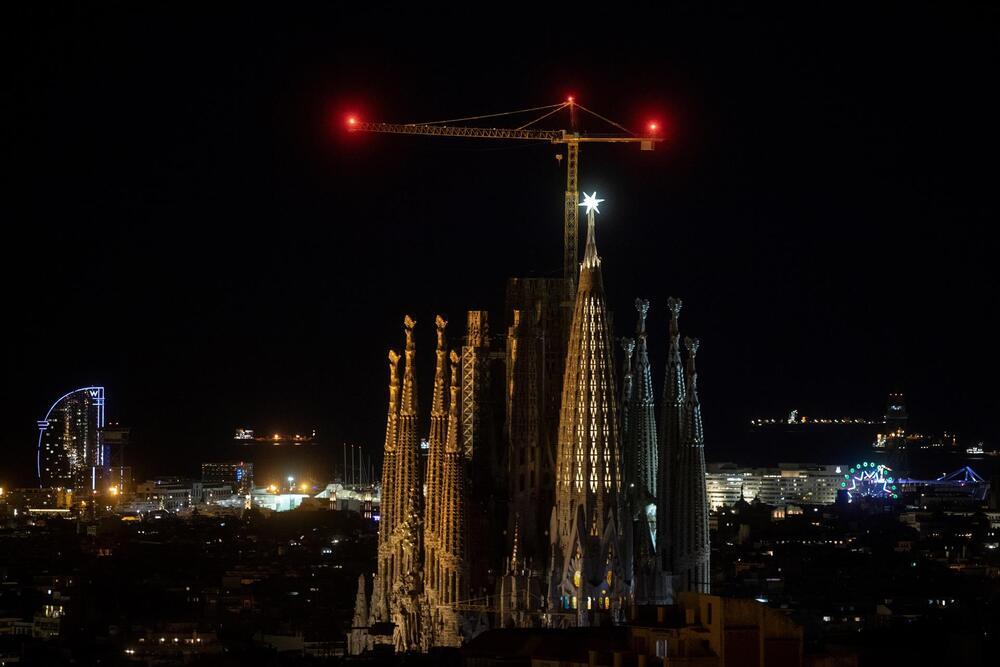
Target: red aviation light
x,y
352,122
570,99
653,127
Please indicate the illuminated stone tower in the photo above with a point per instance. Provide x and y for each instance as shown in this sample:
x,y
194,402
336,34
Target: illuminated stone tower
x,y
586,569
435,466
451,563
671,437
641,454
387,547
398,589
689,502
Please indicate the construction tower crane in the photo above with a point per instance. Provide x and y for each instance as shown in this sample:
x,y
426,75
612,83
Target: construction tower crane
x,y
571,138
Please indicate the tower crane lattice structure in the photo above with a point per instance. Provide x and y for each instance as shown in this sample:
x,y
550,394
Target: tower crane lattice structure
x,y
570,138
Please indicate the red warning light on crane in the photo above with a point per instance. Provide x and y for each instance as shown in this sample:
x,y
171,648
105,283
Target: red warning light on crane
x,y
653,127
352,121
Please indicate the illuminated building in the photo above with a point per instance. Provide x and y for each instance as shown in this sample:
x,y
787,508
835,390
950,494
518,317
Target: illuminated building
x,y
804,483
39,500
172,493
69,443
587,569
238,475
573,529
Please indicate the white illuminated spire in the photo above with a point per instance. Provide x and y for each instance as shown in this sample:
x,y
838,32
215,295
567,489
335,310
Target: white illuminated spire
x,y
590,258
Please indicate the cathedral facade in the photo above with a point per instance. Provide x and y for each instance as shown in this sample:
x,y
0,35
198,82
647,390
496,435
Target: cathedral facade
x,y
549,496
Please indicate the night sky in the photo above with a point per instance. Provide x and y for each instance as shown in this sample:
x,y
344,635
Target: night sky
x,y
186,223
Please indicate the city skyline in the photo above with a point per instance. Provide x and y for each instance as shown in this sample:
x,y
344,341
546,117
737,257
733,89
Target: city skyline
x,y
216,288
365,334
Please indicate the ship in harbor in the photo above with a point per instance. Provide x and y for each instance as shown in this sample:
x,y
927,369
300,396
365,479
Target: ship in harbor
x,y
247,436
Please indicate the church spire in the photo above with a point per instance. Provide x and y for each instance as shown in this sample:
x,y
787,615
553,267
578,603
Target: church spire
x,y
689,501
389,467
591,260
641,444
628,346
387,551
408,579
450,561
586,567
671,426
641,456
435,459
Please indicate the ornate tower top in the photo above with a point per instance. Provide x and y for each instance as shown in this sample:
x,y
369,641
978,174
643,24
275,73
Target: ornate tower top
x,y
628,344
408,324
440,323
591,260
390,430
675,312
693,406
409,400
691,344
642,306
451,443
438,400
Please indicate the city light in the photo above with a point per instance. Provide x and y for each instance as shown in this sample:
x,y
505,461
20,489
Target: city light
x,y
113,490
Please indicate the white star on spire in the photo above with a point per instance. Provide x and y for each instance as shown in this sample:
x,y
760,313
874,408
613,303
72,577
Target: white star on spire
x,y
591,202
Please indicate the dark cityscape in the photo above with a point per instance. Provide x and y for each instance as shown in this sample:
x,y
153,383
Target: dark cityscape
x,y
648,336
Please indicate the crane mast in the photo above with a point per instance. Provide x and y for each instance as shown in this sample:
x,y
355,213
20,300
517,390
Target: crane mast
x,y
571,139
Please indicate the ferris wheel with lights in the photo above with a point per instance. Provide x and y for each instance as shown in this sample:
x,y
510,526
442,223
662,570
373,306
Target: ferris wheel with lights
x,y
868,479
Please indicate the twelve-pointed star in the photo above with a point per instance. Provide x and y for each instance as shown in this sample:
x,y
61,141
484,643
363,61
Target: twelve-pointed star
x,y
591,202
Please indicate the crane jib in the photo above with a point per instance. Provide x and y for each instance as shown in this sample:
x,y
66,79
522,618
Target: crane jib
x,y
571,139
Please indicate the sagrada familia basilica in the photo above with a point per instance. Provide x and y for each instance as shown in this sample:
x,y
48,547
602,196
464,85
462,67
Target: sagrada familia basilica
x,y
547,493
